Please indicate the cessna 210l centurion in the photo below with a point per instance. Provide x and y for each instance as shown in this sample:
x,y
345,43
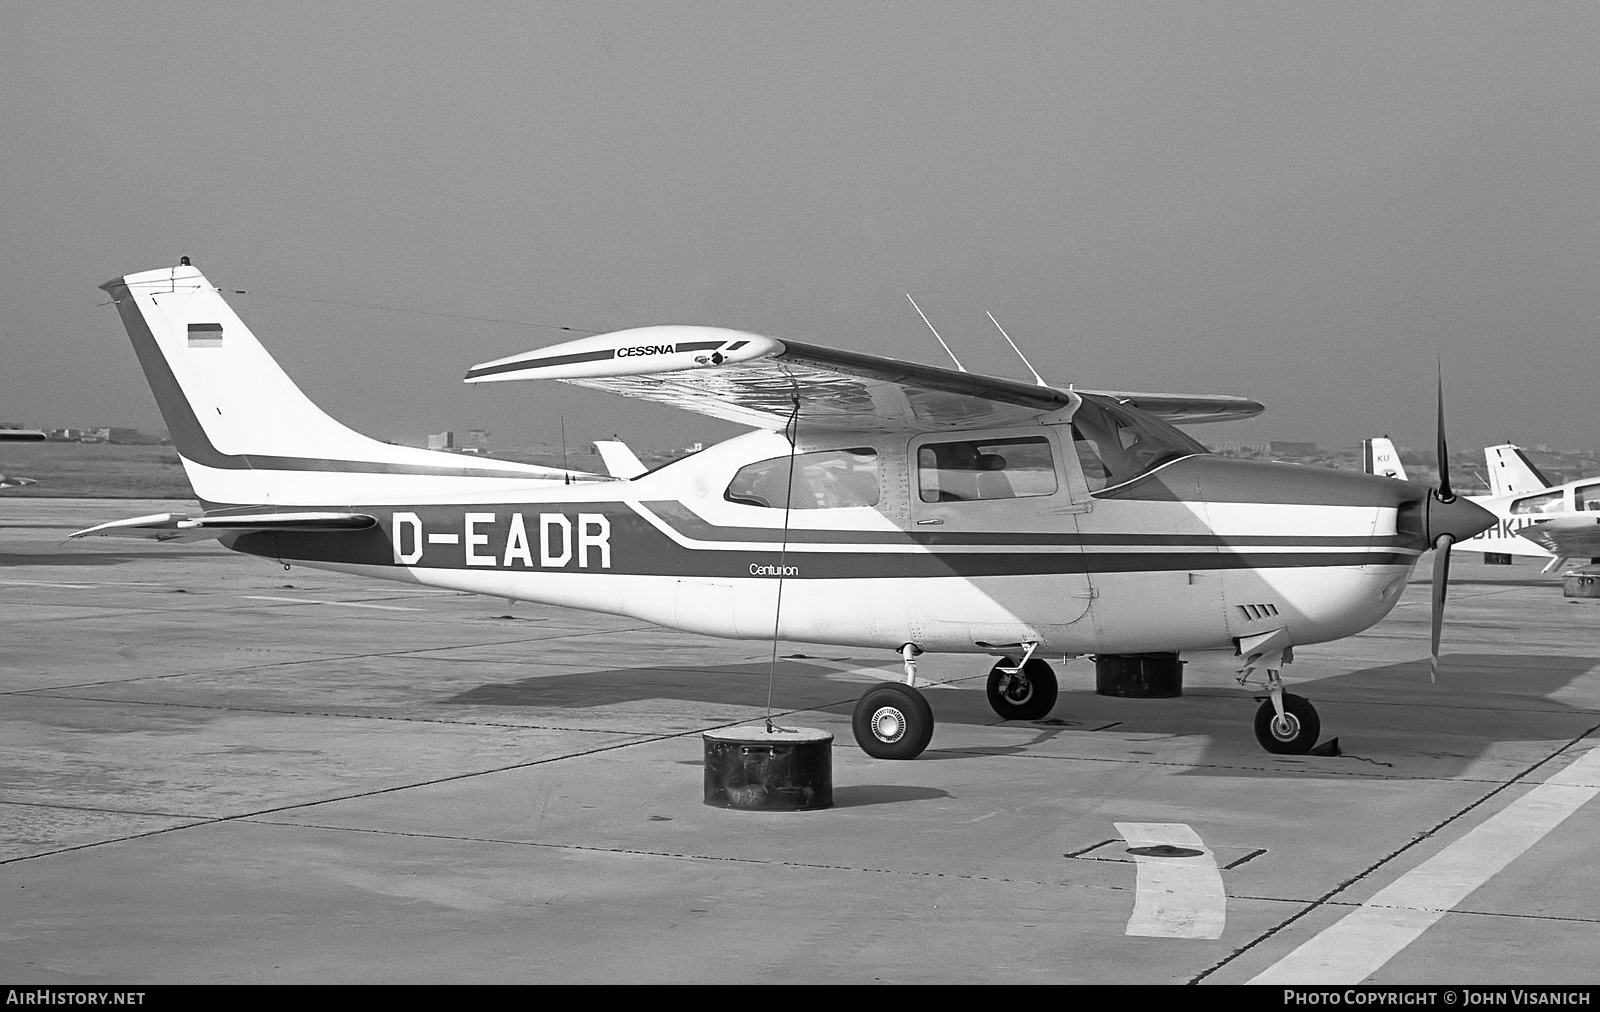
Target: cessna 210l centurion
x,y
877,504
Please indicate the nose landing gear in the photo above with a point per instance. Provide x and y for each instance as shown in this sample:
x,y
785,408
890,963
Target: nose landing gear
x,y
1286,724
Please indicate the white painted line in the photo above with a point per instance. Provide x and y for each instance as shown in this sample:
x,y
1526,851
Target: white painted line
x,y
444,539
41,583
339,604
1366,938
1178,897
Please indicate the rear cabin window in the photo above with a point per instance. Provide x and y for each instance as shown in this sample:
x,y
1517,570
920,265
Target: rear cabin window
x,y
986,469
825,479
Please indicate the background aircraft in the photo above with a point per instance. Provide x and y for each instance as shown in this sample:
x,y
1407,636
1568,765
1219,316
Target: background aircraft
x,y
877,504
18,436
1533,517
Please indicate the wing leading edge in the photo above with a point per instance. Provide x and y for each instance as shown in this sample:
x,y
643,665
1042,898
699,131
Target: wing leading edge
x,y
755,380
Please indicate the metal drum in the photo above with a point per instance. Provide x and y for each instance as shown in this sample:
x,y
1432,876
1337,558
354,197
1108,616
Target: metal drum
x,y
788,770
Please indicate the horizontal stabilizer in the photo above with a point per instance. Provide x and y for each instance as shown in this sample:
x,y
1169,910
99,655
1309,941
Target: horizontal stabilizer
x,y
182,527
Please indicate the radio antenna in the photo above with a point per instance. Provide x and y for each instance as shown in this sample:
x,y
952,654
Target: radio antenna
x,y
1036,377
936,336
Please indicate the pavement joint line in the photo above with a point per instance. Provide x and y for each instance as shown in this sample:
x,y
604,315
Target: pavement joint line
x,y
998,753
95,808
331,713
1305,770
431,782
1353,905
677,855
1429,834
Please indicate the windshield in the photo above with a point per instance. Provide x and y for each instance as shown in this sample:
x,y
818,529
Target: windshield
x,y
1117,443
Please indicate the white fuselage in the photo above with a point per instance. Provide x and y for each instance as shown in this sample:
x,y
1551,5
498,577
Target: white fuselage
x,y
1150,566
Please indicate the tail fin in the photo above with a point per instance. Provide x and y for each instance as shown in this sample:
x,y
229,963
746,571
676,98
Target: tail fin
x,y
1510,471
247,434
620,461
1378,456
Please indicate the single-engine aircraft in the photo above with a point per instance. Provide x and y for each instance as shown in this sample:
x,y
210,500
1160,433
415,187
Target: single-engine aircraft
x,y
877,504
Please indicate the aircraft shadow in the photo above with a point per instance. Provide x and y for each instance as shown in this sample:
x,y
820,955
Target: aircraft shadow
x,y
796,685
93,559
1390,711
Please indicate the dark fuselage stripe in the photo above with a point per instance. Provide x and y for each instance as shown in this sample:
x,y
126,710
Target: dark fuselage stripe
x,y
689,525
632,545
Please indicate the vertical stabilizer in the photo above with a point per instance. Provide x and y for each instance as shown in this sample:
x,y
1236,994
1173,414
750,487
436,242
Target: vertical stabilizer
x,y
1511,472
246,433
1379,457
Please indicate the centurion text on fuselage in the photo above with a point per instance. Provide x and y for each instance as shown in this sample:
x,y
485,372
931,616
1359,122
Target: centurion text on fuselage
x,y
877,504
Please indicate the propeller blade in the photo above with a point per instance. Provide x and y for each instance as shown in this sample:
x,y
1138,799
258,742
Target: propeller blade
x,y
1444,493
1441,580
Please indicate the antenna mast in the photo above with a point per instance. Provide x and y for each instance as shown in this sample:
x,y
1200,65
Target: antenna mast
x,y
1036,377
936,336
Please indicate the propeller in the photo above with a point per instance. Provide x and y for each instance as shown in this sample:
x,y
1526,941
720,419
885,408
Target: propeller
x,y
1449,519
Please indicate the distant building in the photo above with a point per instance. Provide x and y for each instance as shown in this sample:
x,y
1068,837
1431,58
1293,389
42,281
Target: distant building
x,y
476,441
442,441
1287,448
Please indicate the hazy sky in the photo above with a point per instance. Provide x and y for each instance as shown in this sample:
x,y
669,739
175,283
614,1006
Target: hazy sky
x,y
1301,203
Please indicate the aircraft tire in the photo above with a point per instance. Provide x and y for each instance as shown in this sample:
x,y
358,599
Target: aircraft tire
x,y
1030,697
1301,734
892,721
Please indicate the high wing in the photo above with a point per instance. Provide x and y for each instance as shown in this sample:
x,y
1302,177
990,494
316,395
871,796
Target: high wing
x,y
1574,536
182,527
757,381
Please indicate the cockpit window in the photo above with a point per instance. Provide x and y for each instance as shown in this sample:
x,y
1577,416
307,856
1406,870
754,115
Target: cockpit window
x,y
826,479
985,469
1117,443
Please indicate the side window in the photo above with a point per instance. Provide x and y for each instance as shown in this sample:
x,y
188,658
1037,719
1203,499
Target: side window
x,y
828,479
1586,497
1547,502
986,469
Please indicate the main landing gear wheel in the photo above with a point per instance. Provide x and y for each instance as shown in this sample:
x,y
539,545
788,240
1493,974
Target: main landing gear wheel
x,y
1028,694
892,721
1295,733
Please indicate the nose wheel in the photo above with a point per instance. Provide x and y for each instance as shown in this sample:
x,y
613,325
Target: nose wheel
x,y
1293,732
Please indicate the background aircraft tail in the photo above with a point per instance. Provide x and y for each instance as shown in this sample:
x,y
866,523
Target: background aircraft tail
x,y
620,461
1510,471
1378,456
247,434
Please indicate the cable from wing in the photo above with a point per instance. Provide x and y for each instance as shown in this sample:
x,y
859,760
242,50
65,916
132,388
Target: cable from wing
x,y
412,312
791,430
